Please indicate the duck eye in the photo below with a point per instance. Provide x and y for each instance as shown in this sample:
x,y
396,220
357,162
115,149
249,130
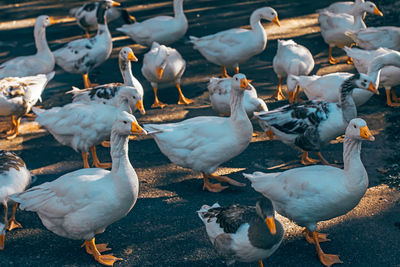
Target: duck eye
x,y
125,122
134,97
355,126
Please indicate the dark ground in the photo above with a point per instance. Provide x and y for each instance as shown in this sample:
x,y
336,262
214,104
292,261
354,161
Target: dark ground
x,y
163,228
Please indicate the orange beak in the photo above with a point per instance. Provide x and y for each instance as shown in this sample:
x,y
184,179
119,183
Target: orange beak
x,y
2,240
52,21
140,107
115,3
159,72
377,12
366,134
137,129
270,221
373,89
244,84
276,21
132,57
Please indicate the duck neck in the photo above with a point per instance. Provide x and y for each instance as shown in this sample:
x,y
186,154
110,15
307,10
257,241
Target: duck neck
x,y
353,167
126,71
178,9
40,39
256,26
238,112
346,101
102,27
119,152
358,14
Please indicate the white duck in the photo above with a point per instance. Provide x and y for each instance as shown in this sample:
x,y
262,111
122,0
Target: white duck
x,y
106,92
161,29
326,88
82,126
364,61
231,47
334,26
81,204
313,124
291,58
86,16
15,178
40,63
312,194
19,95
83,55
372,38
219,90
164,64
203,143
243,233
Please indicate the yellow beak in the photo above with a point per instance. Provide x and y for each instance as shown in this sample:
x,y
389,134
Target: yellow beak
x,y
366,134
291,97
159,72
115,3
276,21
270,221
244,84
373,89
2,239
140,107
132,57
132,18
52,21
377,12
137,129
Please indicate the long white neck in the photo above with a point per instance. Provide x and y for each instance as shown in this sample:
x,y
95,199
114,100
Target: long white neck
x,y
40,39
178,9
119,151
256,26
126,71
102,29
353,167
358,14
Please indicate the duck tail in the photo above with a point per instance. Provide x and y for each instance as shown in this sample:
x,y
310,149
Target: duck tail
x,y
259,180
74,91
32,199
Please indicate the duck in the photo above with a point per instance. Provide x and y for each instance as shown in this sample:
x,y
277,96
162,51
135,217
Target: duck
x,y
80,204
106,92
312,124
243,233
372,38
82,126
389,76
86,16
203,143
40,63
163,64
15,178
161,29
230,47
291,58
83,55
311,194
334,26
18,95
326,87
219,90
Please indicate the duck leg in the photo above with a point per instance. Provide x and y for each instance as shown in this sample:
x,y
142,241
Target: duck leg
x,y
85,159
305,160
96,161
93,249
323,160
106,144
310,238
270,134
157,103
325,259
212,187
87,33
12,222
224,74
260,263
394,95
330,57
278,93
182,99
389,100
14,131
225,179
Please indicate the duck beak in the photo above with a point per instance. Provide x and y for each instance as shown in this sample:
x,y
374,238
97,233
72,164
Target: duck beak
x,y
140,107
2,239
366,134
137,129
377,12
276,20
244,84
132,18
270,221
291,97
373,89
132,57
159,72
113,3
52,21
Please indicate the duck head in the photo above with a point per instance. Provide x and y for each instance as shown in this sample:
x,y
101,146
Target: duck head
x,y
366,7
131,96
265,210
44,21
240,82
358,129
126,124
127,54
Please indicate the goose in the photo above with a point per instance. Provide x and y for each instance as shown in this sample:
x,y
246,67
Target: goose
x,y
203,143
161,29
231,47
219,90
164,64
312,194
312,124
86,16
82,126
82,203
15,178
243,233
40,63
326,87
334,26
83,55
389,76
106,92
18,95
291,58
372,38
